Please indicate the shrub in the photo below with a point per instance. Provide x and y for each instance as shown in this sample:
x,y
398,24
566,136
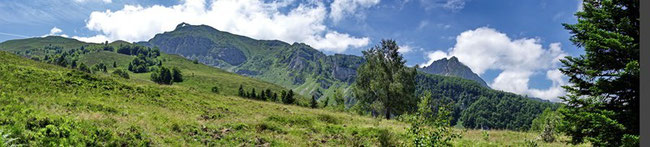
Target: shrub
x,y
121,73
215,89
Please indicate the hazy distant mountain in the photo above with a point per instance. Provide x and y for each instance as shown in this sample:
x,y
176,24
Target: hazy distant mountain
x,y
452,67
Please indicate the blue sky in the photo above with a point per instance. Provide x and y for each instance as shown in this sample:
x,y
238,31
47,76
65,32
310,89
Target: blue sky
x,y
514,45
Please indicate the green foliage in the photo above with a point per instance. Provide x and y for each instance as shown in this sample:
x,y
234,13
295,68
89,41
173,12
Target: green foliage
x,y
288,97
162,76
313,103
215,89
141,64
480,107
603,97
486,135
384,80
241,91
100,67
84,68
195,61
547,123
429,128
177,76
121,73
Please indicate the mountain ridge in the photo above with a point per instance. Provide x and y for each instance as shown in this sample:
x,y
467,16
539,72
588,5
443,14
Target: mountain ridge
x,y
453,67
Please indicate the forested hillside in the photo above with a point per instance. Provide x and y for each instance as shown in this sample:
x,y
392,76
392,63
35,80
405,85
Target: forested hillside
x,y
478,107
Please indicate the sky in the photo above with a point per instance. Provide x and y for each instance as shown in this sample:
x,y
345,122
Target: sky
x,y
513,45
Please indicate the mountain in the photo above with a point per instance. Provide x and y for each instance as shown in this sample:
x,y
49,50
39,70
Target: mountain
x,y
297,66
452,67
479,107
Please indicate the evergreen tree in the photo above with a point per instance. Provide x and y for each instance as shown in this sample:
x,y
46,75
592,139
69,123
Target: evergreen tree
x,y
114,64
253,95
289,99
275,97
603,99
313,101
268,94
242,93
283,95
177,76
384,80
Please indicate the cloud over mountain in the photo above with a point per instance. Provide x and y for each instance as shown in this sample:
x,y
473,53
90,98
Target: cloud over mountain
x,y
517,60
257,19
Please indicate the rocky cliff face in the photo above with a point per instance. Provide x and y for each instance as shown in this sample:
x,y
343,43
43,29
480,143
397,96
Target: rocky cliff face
x,y
452,67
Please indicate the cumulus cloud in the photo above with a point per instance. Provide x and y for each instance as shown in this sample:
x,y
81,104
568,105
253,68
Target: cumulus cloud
x,y
433,56
517,59
342,8
253,18
93,39
55,30
405,49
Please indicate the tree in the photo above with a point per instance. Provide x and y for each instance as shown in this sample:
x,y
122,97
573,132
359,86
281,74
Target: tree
x,y
196,61
603,99
242,93
314,104
546,123
384,80
268,94
275,97
84,68
177,76
162,76
114,64
252,94
428,127
289,99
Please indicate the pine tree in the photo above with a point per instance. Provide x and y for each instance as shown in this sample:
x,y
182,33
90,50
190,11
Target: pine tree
x,y
603,99
242,93
313,101
289,99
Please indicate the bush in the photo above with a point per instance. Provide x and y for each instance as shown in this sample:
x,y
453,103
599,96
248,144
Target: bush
x,y
177,76
121,73
215,89
162,76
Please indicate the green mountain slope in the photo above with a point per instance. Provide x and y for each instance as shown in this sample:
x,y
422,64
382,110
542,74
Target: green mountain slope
x,y
479,107
48,105
45,104
297,66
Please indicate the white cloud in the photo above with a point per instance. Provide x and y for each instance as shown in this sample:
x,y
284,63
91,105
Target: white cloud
x,y
93,39
341,8
484,48
580,7
253,18
55,31
405,49
433,56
